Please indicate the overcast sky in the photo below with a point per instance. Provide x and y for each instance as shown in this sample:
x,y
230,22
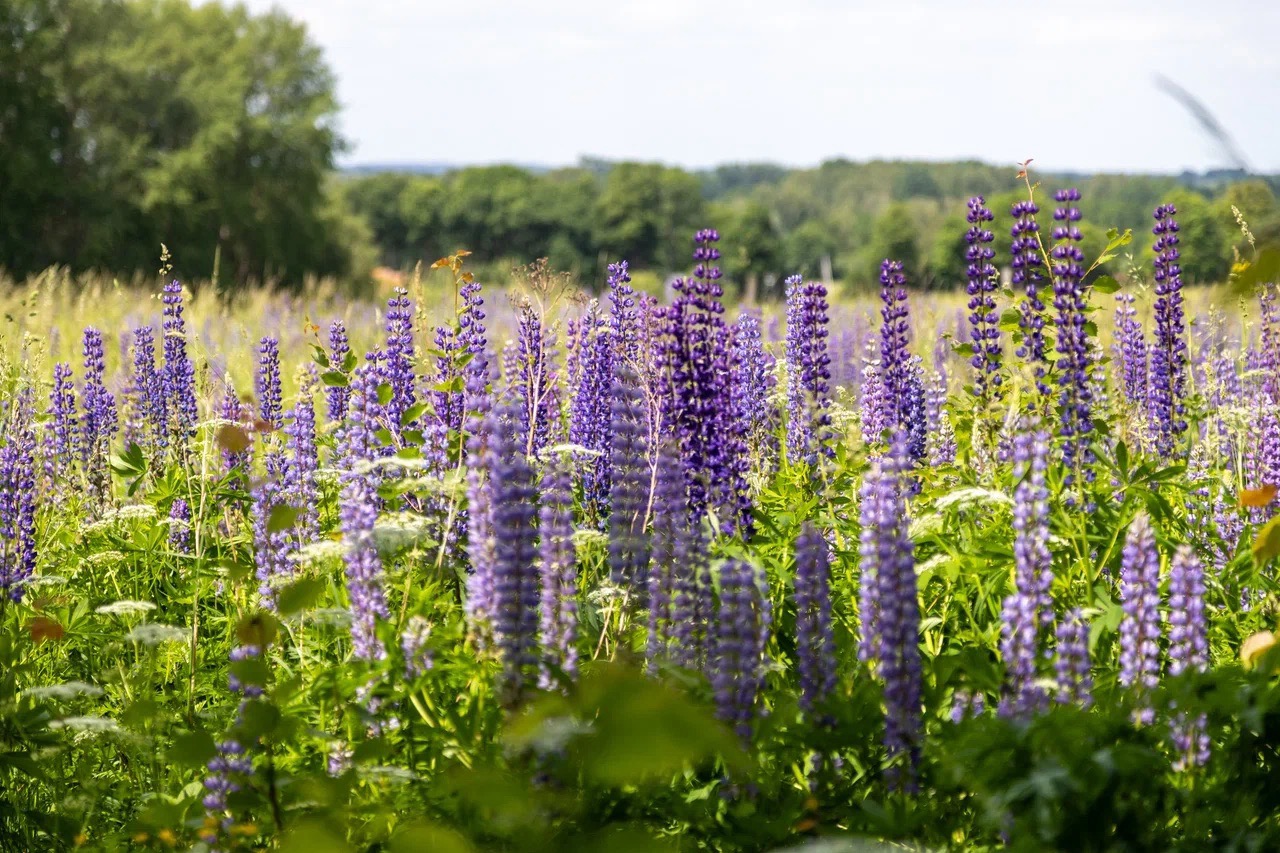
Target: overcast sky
x,y
696,82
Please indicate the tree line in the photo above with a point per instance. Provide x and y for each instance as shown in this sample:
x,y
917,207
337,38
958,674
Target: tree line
x,y
125,124
842,215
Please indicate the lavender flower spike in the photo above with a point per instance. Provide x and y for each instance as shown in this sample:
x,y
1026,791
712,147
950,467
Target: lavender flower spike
x,y
740,636
1169,350
559,578
815,638
1188,647
984,281
1140,595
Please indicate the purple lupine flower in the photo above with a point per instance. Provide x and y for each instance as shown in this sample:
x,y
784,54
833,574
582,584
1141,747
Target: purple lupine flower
x,y
18,497
462,354
100,420
482,458
358,513
752,381
1169,349
624,318
399,359
266,383
913,409
1032,560
148,386
815,637
697,399
64,430
534,381
179,374
418,657
673,596
557,565
1188,647
231,409
889,610
589,411
180,533
1140,594
272,548
966,705
1075,394
302,463
739,638
1130,350
629,489
903,395
1029,275
337,396
808,369
231,765
1075,684
982,286
515,570
873,405
1020,648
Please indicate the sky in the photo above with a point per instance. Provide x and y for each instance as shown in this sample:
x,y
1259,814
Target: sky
x,y
697,83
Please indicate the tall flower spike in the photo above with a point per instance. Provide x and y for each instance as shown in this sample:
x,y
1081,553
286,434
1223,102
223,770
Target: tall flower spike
x,y
266,383
100,419
1075,394
399,359
482,458
1188,647
337,396
1140,628
1075,684
1169,350
1028,274
624,316
18,496
515,572
148,387
462,355
740,636
815,638
535,381
1032,559
179,375
1130,350
629,489
63,435
808,369
984,280
302,463
901,397
358,514
589,411
559,576
889,611
752,384
672,569
180,533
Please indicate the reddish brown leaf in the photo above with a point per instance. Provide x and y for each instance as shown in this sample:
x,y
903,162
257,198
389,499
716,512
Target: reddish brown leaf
x,y
1257,497
232,438
43,628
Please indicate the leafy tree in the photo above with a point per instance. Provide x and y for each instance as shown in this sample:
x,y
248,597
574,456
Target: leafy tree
x,y
207,128
895,238
751,246
646,214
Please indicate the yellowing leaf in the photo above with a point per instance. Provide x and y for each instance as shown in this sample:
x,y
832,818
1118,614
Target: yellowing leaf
x,y
1254,647
1267,545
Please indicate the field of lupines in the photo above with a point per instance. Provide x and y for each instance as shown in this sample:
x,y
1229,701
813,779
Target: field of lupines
x,y
645,577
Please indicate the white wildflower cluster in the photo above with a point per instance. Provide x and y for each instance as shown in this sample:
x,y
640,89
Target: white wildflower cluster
x,y
64,692
154,634
125,608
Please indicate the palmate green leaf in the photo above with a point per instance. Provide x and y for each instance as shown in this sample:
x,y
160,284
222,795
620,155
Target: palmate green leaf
x,y
192,749
283,517
1106,284
645,731
300,595
421,836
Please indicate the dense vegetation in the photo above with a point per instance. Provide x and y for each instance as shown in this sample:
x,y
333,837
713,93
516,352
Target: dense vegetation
x,y
644,577
128,124
775,221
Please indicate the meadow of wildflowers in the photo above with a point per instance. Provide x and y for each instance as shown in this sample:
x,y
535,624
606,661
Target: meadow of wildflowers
x,y
532,570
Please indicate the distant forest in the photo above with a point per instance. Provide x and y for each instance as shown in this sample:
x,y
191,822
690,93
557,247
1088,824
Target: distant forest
x,y
776,221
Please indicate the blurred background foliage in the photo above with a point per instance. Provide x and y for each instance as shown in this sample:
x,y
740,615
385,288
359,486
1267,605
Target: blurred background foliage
x,y
127,123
